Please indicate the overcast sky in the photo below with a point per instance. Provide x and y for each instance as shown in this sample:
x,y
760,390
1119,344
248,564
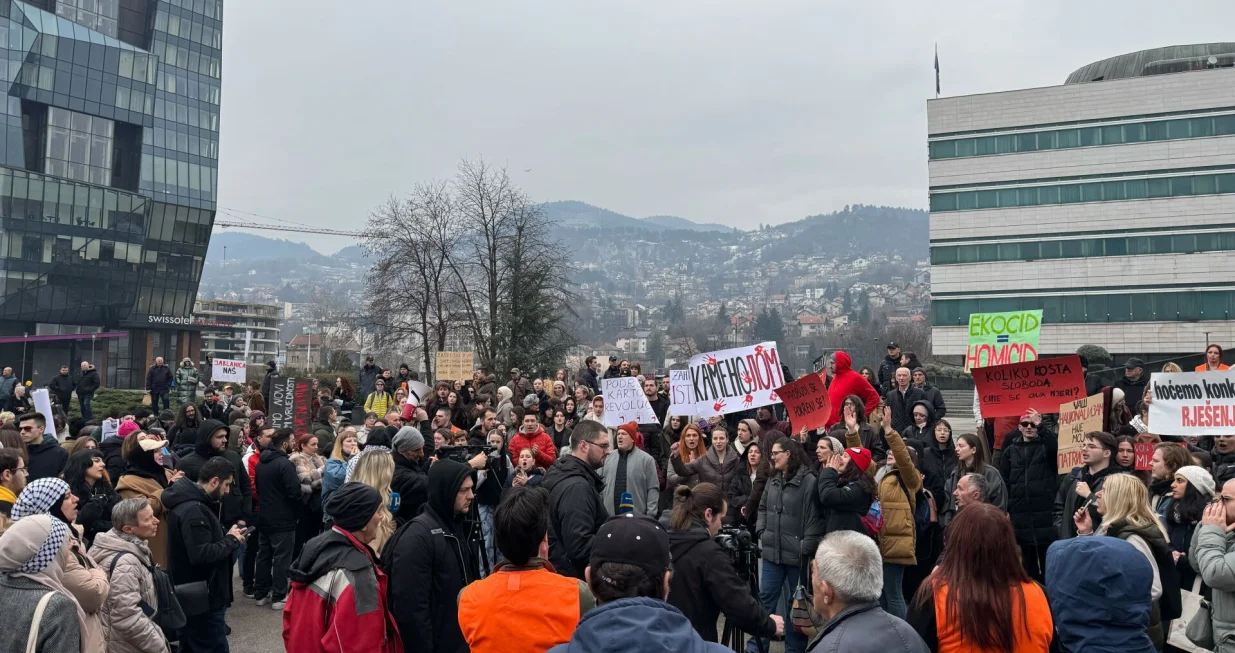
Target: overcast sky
x,y
726,111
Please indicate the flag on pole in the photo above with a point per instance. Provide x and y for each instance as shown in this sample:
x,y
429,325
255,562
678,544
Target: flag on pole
x,y
936,70
247,336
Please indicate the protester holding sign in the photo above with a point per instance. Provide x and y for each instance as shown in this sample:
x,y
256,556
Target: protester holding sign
x,y
735,379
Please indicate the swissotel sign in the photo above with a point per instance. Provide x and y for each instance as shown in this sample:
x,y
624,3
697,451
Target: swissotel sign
x,y
1002,338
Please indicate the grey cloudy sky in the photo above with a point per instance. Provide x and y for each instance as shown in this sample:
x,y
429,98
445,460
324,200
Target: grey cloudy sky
x,y
727,111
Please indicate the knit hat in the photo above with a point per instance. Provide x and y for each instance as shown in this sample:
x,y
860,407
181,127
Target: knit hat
x,y
128,428
632,540
1198,477
352,505
407,439
631,428
530,400
1117,395
860,457
834,444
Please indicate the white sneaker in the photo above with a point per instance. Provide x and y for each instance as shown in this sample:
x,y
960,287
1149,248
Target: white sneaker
x,y
264,600
277,605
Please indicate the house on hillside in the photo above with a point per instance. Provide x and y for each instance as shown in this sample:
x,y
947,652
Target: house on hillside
x,y
810,325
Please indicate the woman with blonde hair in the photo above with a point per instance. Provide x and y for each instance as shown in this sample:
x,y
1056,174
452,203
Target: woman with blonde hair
x,y
346,446
375,467
1123,503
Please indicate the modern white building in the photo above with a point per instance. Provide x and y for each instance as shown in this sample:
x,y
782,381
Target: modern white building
x,y
1107,202
224,326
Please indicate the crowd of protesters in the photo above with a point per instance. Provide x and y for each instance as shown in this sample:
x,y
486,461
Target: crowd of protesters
x,y
511,517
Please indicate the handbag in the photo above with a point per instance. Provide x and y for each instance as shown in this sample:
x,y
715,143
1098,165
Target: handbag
x,y
194,598
1200,630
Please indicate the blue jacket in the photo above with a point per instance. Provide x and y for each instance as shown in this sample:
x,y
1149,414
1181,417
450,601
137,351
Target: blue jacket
x,y
333,477
636,625
1098,588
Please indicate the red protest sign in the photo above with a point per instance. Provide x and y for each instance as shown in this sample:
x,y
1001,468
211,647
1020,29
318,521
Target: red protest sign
x,y
806,401
1144,455
1010,390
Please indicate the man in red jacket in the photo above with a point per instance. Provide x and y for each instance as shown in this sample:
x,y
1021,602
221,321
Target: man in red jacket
x,y
532,436
848,382
337,602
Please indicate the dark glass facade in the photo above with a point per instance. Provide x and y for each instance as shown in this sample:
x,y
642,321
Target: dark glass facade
x,y
108,171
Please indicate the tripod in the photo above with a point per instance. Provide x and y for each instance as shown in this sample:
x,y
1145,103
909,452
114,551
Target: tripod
x,y
733,637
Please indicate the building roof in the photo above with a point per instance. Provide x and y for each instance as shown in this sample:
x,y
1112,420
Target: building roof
x,y
305,339
1156,61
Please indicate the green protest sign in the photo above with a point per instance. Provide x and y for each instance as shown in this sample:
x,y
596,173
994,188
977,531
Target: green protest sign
x,y
1002,338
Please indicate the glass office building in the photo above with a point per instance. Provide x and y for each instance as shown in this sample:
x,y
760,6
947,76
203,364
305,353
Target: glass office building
x,y
1108,202
108,173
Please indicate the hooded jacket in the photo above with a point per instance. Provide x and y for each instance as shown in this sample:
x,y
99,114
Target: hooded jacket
x,y
198,549
898,498
937,465
238,503
636,625
705,584
926,432
128,629
1212,555
789,519
45,459
1134,391
544,445
429,561
848,382
1098,589
412,484
61,386
1028,467
280,501
708,468
338,596
576,513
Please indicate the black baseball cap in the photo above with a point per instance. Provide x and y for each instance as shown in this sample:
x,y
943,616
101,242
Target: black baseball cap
x,y
1134,363
631,539
893,345
613,359
369,358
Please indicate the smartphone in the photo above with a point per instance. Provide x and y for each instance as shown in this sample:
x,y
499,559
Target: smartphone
x,y
249,530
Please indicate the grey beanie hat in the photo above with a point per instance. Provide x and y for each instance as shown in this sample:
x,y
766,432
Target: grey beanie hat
x,y
1198,477
408,438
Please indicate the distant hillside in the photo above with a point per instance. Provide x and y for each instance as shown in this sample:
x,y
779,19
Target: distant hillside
x,y
242,246
573,213
857,229
352,253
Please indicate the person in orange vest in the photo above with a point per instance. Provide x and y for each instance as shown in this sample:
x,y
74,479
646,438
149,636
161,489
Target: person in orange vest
x,y
491,612
1213,360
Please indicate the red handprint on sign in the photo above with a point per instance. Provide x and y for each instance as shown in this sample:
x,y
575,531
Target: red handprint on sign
x,y
750,399
748,379
709,359
758,349
772,396
718,405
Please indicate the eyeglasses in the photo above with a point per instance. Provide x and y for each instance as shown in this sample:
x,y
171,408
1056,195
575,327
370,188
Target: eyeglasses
x,y
602,444
1029,425
777,453
28,427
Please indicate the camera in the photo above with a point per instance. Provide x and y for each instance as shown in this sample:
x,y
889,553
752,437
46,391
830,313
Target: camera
x,y
734,540
464,453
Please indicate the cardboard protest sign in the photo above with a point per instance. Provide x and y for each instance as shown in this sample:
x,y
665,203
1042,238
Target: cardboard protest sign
x,y
625,401
1144,455
1010,390
1002,338
1193,403
222,371
1076,418
453,365
806,400
291,404
735,379
681,397
42,406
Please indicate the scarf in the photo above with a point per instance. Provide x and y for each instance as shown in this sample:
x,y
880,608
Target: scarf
x,y
35,548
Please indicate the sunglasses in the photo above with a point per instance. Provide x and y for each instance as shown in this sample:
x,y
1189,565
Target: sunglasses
x,y
1029,424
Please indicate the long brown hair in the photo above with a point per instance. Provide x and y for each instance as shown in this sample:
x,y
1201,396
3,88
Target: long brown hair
x,y
979,456
690,503
984,583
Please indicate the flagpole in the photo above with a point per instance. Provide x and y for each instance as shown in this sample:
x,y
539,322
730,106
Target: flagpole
x,y
936,70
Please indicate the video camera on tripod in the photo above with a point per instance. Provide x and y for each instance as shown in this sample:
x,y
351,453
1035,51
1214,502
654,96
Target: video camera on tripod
x,y
741,548
462,454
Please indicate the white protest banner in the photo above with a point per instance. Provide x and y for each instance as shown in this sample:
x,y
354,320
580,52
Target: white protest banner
x,y
735,379
223,371
625,401
1193,403
681,402
42,405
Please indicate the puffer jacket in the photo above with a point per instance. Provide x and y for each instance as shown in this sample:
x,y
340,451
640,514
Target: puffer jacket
x,y
127,628
926,432
872,439
1028,467
708,468
937,465
309,470
789,519
898,537
1212,555
186,384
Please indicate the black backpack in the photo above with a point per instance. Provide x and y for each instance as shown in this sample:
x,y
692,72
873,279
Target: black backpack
x,y
169,616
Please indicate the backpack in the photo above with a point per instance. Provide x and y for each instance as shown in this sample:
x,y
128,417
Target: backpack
x,y
921,508
170,617
873,519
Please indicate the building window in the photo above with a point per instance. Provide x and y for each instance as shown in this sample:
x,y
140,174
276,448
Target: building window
x,y
99,15
1077,307
1109,191
79,146
1084,248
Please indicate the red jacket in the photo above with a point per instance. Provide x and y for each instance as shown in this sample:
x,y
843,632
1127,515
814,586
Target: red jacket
x,y
548,453
847,382
323,611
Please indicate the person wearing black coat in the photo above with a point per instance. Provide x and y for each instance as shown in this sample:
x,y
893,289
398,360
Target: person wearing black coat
x,y
95,497
901,400
919,432
938,460
704,583
576,509
237,504
430,559
933,395
280,503
1029,467
87,384
211,407
267,382
410,479
888,367
61,388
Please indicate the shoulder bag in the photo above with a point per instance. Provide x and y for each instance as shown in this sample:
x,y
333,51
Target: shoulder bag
x,y
32,638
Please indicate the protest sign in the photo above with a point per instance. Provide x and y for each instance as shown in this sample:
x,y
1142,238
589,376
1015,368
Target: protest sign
x,y
1144,455
625,401
453,366
1076,418
1002,338
42,406
291,404
736,379
222,371
681,402
1193,403
806,400
1010,390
